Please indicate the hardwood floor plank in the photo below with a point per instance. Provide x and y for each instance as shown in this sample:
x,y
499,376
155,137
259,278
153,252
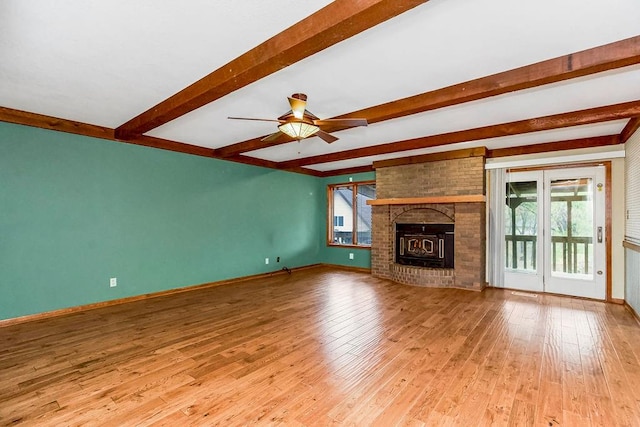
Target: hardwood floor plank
x,y
27,410
549,405
594,379
361,401
601,410
77,415
574,394
573,419
522,413
425,368
501,400
326,347
626,406
463,400
433,395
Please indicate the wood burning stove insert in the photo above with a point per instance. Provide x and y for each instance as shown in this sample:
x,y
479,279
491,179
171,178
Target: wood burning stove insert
x,y
425,245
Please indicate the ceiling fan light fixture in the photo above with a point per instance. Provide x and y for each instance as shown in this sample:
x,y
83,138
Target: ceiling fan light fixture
x,y
298,130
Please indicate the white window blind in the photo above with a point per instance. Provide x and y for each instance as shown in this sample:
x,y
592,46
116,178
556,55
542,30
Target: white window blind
x,y
632,178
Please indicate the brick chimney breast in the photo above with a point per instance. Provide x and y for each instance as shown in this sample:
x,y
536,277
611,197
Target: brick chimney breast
x,y
448,177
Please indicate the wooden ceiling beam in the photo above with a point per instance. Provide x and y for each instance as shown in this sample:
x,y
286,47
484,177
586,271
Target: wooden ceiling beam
x,y
346,171
253,161
575,118
10,115
432,157
591,61
572,144
248,145
166,144
602,58
42,121
630,129
332,24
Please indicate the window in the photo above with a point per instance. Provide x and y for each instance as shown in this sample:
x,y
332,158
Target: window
x,y
351,215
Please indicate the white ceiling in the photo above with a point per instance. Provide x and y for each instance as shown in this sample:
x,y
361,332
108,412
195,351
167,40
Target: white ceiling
x,y
105,62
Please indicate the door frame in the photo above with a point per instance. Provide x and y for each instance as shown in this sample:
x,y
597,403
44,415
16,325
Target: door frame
x,y
607,211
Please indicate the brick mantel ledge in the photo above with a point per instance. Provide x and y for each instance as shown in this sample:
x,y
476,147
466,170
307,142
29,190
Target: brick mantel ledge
x,y
472,198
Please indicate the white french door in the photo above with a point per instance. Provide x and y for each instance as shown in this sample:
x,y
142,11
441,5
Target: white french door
x,y
554,225
523,224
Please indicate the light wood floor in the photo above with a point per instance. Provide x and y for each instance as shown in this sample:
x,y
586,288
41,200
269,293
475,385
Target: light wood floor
x,y
325,347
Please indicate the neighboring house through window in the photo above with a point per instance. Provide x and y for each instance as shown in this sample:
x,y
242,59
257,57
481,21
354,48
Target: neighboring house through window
x,y
351,215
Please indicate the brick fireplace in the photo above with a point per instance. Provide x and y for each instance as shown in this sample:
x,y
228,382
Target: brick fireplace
x,y
447,188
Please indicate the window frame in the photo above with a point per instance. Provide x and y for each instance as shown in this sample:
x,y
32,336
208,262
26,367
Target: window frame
x,y
330,214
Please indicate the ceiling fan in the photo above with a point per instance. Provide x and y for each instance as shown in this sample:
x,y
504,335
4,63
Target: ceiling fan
x,y
299,123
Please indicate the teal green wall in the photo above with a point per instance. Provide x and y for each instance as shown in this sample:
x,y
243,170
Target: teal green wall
x,y
337,255
75,211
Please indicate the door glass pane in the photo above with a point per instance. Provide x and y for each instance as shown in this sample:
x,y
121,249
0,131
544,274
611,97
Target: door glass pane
x,y
521,225
572,228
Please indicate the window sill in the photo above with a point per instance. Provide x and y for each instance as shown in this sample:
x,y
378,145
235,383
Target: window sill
x,y
337,245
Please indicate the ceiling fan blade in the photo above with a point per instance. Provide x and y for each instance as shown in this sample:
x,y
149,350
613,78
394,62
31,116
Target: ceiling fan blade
x,y
297,107
342,122
327,137
257,120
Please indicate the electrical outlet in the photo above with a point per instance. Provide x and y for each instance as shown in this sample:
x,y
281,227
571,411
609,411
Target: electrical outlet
x,y
266,260
113,282
350,255
278,259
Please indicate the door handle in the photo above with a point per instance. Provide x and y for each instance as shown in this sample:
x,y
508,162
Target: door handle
x,y
599,234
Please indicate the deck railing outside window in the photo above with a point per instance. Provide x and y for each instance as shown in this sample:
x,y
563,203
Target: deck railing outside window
x,y
568,254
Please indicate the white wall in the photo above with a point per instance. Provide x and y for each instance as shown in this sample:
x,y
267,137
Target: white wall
x,y
617,228
632,276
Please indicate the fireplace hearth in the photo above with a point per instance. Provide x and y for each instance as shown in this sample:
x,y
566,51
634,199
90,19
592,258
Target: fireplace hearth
x,y
425,245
